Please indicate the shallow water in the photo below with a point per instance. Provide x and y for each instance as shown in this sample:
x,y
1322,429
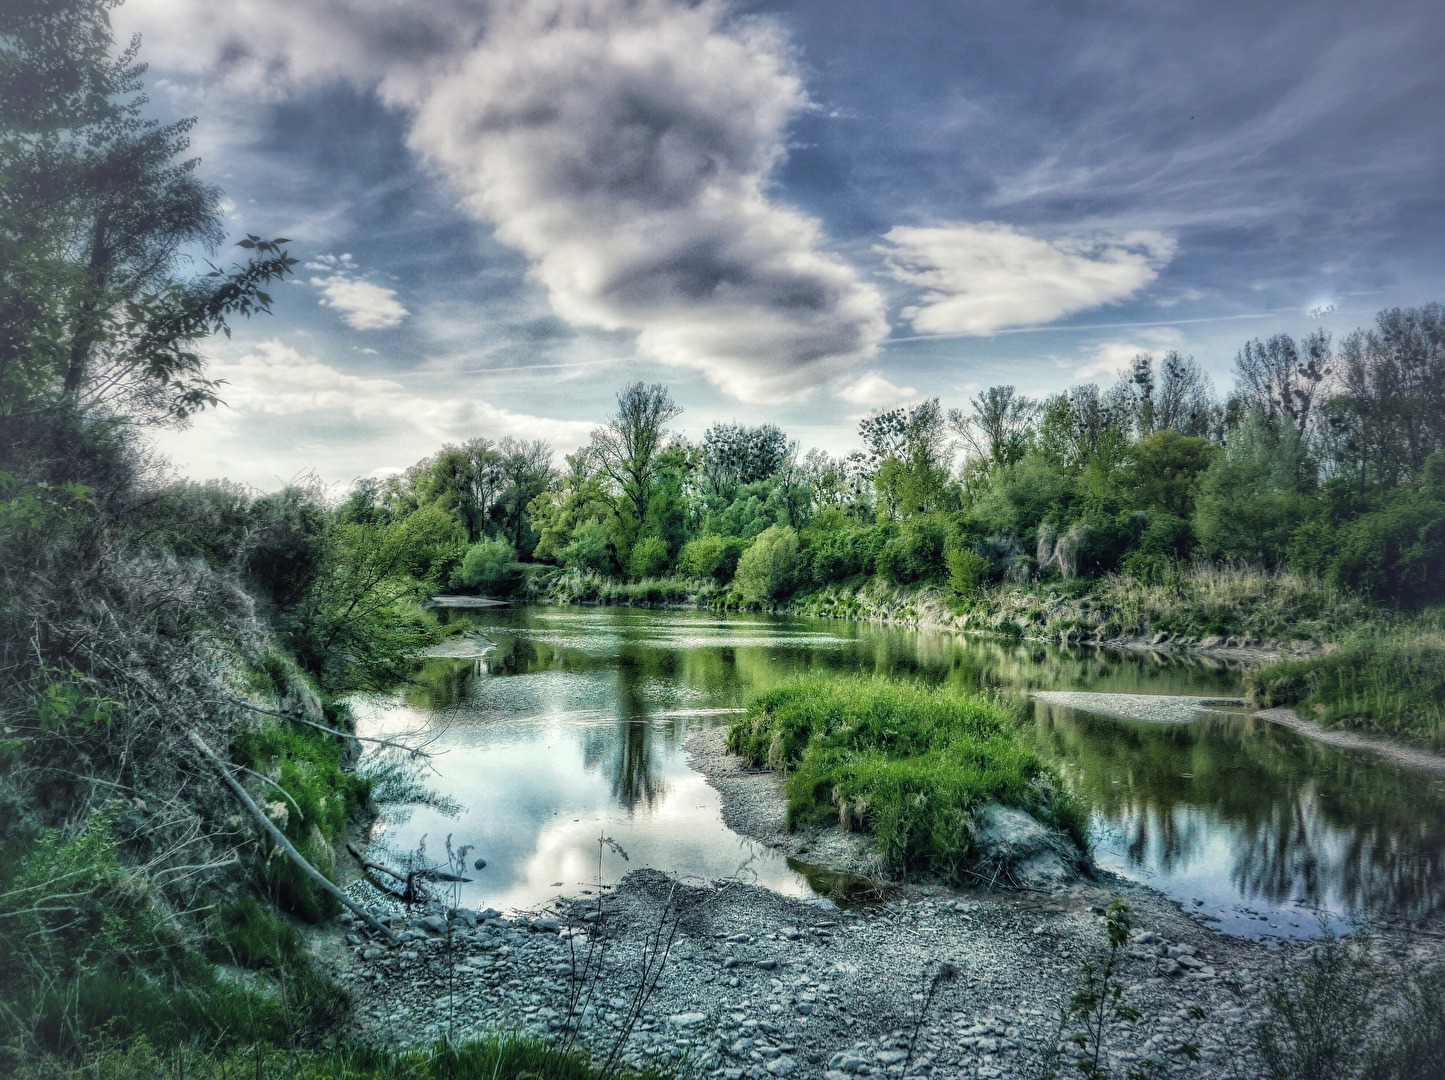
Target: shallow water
x,y
571,729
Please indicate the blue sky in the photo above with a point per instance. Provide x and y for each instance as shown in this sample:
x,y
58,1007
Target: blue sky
x,y
791,212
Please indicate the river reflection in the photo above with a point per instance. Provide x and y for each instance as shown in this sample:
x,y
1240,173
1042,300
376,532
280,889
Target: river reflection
x,y
573,725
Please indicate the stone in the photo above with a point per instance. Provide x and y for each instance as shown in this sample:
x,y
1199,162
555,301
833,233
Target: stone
x,y
433,924
785,1065
687,1020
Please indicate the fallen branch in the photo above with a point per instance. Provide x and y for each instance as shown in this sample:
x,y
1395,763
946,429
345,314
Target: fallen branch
x,y
393,744
320,880
411,894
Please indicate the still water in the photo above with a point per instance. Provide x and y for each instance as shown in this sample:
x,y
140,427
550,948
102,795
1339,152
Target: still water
x,y
572,728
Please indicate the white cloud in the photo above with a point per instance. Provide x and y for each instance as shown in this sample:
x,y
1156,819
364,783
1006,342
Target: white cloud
x,y
977,278
1105,359
363,305
874,390
285,406
625,147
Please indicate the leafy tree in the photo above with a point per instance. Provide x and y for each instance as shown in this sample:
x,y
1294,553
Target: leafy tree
x,y
1078,422
649,559
525,469
912,476
1162,472
768,569
590,548
97,206
626,452
967,569
712,556
1250,498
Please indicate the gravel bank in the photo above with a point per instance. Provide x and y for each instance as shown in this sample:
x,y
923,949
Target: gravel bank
x,y
1152,708
756,985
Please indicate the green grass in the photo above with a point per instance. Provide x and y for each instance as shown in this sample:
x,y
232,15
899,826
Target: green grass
x,y
909,764
499,1057
1387,684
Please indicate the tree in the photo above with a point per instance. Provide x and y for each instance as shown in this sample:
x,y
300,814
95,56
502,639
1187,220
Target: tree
x,y
734,455
525,469
97,205
1281,378
1079,422
998,427
912,451
1174,395
768,568
1250,498
1162,472
626,451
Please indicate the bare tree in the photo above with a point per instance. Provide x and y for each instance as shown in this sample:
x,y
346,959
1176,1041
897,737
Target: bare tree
x,y
997,428
1281,378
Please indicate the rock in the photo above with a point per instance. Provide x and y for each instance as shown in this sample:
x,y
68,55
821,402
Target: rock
x,y
891,1057
547,926
433,924
785,1065
1019,847
687,1020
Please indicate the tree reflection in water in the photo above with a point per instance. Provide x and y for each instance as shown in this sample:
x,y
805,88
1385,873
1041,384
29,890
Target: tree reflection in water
x,y
1341,830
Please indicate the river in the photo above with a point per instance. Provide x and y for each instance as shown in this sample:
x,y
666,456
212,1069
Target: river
x,y
572,728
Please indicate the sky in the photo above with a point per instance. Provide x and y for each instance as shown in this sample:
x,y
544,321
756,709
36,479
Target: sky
x,y
506,210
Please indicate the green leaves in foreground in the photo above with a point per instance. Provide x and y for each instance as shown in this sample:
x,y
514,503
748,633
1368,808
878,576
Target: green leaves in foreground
x,y
907,763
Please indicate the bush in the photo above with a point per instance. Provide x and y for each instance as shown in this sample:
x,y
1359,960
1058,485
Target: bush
x,y
711,556
486,565
915,552
649,558
768,569
967,569
589,550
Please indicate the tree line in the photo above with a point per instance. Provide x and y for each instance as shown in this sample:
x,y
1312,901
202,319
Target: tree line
x,y
1324,457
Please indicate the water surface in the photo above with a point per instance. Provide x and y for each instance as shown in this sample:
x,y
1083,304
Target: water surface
x,y
571,728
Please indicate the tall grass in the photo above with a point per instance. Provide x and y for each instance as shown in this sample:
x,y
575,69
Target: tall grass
x,y
908,764
1388,684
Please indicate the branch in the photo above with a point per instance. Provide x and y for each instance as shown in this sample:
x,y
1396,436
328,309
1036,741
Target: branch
x,y
321,881
413,750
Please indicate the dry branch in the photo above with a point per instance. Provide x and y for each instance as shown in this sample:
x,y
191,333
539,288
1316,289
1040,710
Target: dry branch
x,y
320,880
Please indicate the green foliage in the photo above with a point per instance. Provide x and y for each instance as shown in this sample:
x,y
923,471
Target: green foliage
x,y
915,551
967,569
768,568
712,556
1020,496
1352,1010
590,548
1163,471
1393,553
909,764
649,558
1389,684
486,565
1250,501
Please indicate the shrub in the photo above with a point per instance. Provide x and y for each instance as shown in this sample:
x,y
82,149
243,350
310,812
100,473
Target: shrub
x,y
589,550
486,565
711,556
649,558
768,568
915,552
967,569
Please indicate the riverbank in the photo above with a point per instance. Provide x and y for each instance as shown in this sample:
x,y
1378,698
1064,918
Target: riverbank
x,y
755,984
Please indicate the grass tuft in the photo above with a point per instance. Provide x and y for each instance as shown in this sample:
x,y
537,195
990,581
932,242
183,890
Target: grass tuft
x,y
909,764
